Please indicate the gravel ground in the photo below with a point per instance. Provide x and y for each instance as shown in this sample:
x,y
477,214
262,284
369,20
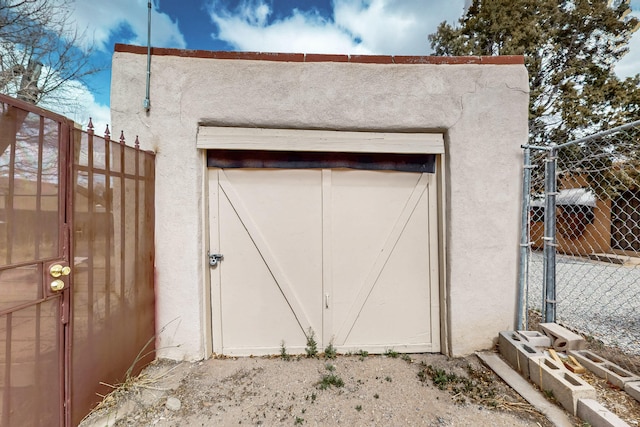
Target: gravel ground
x,y
596,298
429,390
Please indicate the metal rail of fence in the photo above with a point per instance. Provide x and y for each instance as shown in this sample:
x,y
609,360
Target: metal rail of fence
x,y
580,247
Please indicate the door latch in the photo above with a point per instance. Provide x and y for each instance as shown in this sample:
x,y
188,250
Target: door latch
x,y
58,270
214,258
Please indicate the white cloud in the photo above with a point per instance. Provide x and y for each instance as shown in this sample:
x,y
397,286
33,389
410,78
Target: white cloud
x,y
79,105
100,114
296,33
391,27
101,19
396,27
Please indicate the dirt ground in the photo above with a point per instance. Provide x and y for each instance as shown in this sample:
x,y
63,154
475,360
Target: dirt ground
x,y
352,390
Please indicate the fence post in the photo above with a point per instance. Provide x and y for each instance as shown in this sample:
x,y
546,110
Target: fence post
x,y
549,284
524,242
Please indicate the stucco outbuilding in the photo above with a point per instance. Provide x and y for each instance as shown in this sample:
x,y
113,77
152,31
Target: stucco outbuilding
x,y
372,199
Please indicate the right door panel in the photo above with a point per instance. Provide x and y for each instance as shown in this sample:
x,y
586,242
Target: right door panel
x,y
384,261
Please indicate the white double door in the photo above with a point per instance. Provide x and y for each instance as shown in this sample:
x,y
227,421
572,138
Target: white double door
x,y
348,254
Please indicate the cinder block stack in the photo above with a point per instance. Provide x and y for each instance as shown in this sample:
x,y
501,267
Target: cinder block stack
x,y
533,354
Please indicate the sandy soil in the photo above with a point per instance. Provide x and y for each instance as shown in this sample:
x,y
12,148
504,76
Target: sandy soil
x,y
350,390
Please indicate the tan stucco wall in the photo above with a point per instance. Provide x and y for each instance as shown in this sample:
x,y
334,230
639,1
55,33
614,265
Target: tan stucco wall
x,y
480,108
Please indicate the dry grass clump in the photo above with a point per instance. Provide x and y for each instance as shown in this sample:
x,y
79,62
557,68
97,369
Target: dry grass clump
x,y
469,383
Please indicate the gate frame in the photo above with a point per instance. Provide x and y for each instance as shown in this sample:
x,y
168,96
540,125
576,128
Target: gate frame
x,y
549,302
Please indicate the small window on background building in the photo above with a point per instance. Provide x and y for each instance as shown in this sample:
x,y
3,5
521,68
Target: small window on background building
x,y
537,214
536,208
575,209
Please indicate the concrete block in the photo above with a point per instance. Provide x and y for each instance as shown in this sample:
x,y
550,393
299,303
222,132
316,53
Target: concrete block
x,y
633,389
603,368
536,371
535,338
517,352
562,339
597,415
566,386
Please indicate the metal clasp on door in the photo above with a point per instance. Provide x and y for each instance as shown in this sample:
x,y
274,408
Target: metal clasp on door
x,y
214,258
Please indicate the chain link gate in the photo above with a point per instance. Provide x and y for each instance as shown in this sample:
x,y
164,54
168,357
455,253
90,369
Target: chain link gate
x,y
580,242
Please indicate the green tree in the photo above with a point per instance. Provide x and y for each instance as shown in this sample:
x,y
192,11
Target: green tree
x,y
570,48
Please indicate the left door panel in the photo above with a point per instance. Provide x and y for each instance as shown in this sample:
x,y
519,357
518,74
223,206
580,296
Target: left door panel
x,y
272,269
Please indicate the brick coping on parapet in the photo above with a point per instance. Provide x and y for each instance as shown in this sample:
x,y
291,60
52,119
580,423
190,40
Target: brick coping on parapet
x,y
314,57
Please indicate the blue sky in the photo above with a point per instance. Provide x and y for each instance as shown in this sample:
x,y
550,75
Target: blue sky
x,y
390,27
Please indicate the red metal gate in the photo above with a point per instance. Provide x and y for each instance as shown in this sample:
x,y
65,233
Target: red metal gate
x,y
34,264
76,266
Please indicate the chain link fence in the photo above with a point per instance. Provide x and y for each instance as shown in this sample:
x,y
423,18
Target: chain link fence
x,y
581,264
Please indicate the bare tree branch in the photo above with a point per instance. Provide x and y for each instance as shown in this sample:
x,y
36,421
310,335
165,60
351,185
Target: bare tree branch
x,y
40,50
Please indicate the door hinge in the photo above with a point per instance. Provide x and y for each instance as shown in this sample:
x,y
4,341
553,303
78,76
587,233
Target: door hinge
x,y
214,258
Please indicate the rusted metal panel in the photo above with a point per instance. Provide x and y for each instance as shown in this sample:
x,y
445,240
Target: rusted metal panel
x,y
30,340
113,295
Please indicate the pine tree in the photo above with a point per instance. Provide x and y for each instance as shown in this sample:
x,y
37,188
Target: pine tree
x,y
570,49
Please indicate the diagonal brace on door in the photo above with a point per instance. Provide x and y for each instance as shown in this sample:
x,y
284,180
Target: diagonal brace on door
x,y
265,252
380,262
